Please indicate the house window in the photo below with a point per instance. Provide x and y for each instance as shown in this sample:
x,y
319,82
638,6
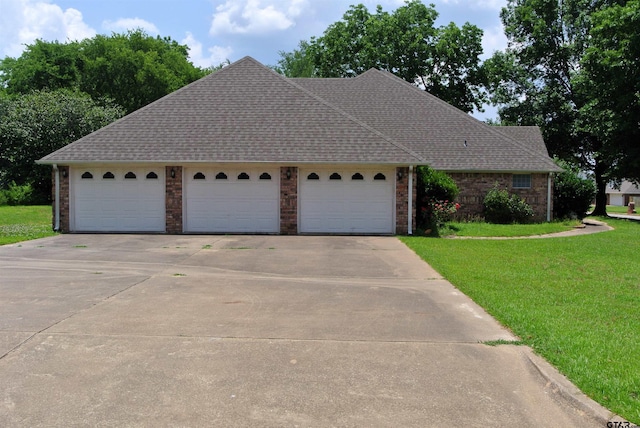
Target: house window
x,y
87,175
152,176
221,176
335,176
379,176
129,175
243,176
521,181
265,176
313,176
108,175
199,176
357,176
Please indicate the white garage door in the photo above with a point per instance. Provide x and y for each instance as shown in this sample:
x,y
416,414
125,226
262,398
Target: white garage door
x,y
346,201
232,200
118,200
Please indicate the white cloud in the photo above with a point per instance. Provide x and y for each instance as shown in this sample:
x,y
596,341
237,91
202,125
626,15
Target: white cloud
x,y
478,4
124,24
215,55
493,40
24,21
256,16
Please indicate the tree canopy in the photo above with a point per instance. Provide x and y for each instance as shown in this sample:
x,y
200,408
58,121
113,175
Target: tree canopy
x,y
445,61
553,75
133,69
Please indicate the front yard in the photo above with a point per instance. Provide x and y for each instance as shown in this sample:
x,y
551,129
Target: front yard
x,y
23,223
575,301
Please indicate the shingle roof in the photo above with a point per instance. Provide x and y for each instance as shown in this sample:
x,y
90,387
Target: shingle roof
x,y
248,113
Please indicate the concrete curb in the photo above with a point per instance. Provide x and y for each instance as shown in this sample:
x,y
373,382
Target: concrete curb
x,y
568,392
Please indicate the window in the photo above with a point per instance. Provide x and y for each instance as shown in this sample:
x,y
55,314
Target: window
x,y
199,176
243,176
357,176
108,175
521,181
87,175
313,176
335,176
221,176
129,175
265,176
379,176
152,176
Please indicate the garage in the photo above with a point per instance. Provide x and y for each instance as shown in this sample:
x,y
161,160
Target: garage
x,y
117,199
347,201
232,200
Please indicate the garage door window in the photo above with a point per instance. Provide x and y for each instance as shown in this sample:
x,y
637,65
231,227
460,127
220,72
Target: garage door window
x,y
313,176
379,176
335,176
130,176
357,176
108,175
152,176
198,176
221,176
243,176
87,176
265,176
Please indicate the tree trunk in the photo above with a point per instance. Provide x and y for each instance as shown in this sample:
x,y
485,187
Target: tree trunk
x,y
601,190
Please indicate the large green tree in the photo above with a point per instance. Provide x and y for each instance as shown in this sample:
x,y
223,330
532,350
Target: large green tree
x,y
445,61
133,69
34,125
540,79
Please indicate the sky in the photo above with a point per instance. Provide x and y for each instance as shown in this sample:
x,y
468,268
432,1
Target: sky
x,y
218,30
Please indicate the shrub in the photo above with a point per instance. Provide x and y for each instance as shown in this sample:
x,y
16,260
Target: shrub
x,y
436,192
502,208
16,195
572,194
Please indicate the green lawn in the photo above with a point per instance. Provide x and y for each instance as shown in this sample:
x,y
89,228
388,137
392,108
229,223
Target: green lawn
x,y
24,223
575,301
508,230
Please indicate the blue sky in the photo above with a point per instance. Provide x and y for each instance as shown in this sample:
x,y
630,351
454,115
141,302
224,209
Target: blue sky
x,y
216,30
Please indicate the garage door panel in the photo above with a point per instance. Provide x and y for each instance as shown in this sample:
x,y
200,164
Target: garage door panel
x,y
231,205
347,205
118,204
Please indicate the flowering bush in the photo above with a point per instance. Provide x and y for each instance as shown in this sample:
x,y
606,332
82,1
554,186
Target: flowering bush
x,y
436,213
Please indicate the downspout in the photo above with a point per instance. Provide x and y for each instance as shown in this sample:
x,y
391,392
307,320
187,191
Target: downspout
x,y
56,203
410,202
549,197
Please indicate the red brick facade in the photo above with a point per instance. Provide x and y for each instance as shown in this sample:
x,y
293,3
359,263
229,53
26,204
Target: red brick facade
x,y
402,199
474,186
64,199
288,200
173,199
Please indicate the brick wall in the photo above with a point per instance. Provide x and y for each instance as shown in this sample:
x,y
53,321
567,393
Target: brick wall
x,y
474,186
288,201
64,198
402,199
173,200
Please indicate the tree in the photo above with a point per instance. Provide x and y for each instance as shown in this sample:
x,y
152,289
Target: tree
x,y
133,69
540,79
444,61
34,125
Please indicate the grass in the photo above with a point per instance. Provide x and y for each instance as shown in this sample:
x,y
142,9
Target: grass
x,y
614,209
574,300
476,229
24,223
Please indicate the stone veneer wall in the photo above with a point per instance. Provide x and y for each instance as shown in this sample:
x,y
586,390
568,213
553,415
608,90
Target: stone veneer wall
x,y
402,192
288,201
64,198
474,186
173,200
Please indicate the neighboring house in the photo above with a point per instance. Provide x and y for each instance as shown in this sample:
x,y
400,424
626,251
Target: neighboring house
x,y
246,150
627,192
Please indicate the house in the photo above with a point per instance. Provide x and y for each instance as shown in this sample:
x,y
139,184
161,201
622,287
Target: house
x,y
246,150
622,195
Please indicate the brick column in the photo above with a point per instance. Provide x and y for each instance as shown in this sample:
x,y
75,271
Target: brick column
x,y
65,177
402,195
173,200
288,200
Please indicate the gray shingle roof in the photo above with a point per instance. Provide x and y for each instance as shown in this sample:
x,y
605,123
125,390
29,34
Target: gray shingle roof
x,y
248,113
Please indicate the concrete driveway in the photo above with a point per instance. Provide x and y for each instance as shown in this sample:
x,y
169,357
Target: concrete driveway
x,y
273,331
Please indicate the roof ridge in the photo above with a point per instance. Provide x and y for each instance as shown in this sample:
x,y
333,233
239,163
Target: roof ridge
x,y
459,112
